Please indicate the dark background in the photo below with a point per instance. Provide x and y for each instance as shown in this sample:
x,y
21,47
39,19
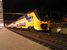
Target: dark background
x,y
23,5
56,9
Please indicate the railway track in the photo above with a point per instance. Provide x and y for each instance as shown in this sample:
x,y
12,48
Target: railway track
x,y
54,41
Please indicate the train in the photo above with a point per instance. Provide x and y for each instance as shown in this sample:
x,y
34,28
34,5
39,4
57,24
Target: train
x,y
32,20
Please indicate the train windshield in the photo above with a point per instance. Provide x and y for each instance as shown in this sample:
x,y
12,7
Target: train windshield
x,y
42,15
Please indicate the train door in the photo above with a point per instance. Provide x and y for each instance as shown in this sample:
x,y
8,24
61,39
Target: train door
x,y
30,22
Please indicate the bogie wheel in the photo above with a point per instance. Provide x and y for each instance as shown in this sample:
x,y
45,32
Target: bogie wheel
x,y
31,29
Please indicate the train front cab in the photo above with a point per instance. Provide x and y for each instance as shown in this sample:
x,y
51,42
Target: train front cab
x,y
35,23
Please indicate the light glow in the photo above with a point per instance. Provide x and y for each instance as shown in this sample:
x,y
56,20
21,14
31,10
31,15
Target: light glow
x,y
1,25
58,29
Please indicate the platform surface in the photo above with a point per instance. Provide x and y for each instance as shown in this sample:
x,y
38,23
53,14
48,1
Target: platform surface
x,y
12,41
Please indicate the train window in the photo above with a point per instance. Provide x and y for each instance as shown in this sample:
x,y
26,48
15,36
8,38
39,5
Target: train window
x,y
30,17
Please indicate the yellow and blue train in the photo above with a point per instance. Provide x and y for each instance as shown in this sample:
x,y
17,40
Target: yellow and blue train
x,y
32,21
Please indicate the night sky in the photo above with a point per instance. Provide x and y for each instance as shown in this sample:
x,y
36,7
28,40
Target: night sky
x,y
55,7
24,5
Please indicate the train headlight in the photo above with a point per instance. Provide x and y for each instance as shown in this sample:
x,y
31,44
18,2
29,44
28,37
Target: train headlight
x,y
44,22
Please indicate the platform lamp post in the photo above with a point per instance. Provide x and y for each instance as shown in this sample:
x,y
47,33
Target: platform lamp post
x,y
1,14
